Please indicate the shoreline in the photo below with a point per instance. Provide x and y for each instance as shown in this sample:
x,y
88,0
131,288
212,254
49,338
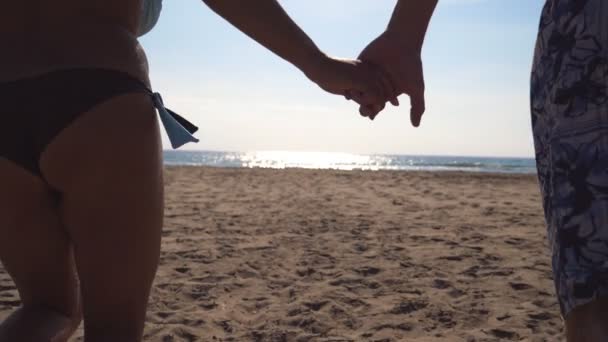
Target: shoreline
x,y
453,172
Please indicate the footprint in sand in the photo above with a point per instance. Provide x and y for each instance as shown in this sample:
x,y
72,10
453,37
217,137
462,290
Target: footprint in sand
x,y
407,307
453,257
504,334
208,305
538,319
441,284
445,318
401,326
455,293
368,271
515,241
471,271
164,315
225,325
182,270
316,305
520,286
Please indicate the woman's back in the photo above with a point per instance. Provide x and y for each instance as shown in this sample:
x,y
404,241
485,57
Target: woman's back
x,y
42,35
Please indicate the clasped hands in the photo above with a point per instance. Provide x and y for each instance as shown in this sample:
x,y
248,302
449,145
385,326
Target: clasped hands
x,y
384,70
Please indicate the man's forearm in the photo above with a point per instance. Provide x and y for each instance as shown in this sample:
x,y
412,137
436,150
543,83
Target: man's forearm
x,y
267,23
411,19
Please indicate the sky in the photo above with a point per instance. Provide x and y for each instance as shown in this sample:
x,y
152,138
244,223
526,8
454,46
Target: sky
x,y
477,60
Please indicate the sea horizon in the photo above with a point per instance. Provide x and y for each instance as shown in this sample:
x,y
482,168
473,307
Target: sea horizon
x,y
350,161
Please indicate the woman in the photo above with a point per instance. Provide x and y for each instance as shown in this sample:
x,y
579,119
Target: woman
x,y
81,205
570,126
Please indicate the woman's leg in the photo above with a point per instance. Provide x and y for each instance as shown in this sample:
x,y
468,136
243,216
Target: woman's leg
x,y
36,251
108,165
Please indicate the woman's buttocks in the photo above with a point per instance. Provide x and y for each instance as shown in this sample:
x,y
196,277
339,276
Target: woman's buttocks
x,y
40,36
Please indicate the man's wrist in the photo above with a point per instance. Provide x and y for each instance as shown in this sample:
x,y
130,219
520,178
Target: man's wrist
x,y
410,20
403,40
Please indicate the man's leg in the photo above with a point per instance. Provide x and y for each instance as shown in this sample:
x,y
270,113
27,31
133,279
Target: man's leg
x,y
588,323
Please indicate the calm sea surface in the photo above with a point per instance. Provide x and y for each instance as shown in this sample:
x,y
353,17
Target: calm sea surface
x,y
345,161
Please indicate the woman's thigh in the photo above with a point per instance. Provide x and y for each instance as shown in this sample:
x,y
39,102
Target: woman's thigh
x,y
108,166
35,248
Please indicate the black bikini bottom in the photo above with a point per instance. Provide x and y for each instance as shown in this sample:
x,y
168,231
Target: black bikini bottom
x,y
33,111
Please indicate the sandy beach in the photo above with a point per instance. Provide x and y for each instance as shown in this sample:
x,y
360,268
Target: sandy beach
x,y
309,255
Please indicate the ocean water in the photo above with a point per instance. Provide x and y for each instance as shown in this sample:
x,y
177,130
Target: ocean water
x,y
345,161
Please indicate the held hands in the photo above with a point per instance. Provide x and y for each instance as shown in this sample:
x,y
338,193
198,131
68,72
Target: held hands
x,y
403,67
387,69
346,76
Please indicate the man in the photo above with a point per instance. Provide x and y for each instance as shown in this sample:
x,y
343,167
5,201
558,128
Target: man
x,y
569,106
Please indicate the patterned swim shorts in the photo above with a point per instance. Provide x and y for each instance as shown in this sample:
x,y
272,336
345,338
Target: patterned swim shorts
x,y
569,99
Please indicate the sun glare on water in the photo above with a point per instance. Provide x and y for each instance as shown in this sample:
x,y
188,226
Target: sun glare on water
x,y
312,160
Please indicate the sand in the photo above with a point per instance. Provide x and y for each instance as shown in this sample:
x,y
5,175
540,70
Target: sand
x,y
308,255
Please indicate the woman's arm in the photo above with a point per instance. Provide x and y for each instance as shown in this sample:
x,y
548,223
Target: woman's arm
x,y
267,23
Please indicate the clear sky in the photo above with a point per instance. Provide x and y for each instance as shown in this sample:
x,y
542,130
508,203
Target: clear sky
x,y
477,57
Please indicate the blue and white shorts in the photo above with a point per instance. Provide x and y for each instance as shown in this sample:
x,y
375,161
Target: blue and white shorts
x,y
569,99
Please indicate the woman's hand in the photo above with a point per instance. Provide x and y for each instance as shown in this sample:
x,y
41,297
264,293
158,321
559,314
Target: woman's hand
x,y
266,22
346,76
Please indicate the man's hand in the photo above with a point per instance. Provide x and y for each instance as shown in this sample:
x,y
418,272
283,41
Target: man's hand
x,y
402,65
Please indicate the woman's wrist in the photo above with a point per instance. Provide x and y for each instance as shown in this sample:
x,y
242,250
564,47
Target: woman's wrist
x,y
312,63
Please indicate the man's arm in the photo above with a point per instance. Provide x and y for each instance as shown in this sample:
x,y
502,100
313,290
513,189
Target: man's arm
x,y
397,51
410,21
